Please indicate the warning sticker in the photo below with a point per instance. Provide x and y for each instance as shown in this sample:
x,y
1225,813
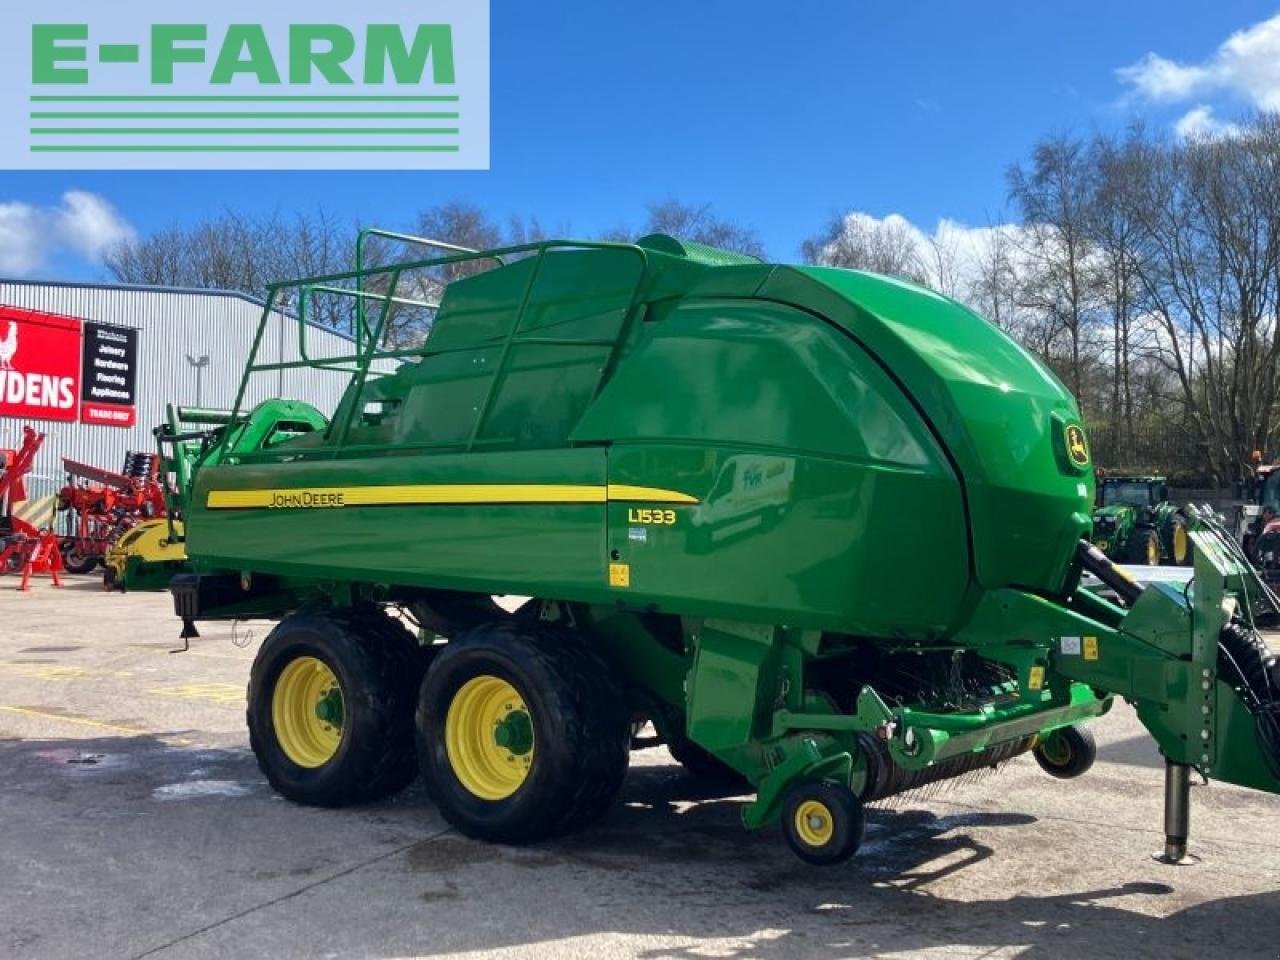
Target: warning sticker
x,y
1091,648
1035,679
619,575
1070,646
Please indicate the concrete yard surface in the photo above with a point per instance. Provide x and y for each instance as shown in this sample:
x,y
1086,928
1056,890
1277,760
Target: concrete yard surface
x,y
134,823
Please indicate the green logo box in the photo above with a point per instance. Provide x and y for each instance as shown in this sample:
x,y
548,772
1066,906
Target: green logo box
x,y
143,84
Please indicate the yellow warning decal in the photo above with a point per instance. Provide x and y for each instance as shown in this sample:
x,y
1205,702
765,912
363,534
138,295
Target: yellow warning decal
x,y
327,498
619,575
1035,679
1091,648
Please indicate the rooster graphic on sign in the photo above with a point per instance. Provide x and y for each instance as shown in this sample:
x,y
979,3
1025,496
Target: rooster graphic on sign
x,y
9,346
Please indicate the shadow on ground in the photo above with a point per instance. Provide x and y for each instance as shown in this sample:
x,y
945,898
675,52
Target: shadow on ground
x,y
671,860
684,846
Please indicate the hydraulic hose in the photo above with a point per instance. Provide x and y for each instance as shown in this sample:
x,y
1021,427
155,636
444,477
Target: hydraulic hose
x,y
1095,561
1248,666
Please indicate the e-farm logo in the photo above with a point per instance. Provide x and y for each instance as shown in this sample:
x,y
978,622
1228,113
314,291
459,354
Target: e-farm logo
x,y
131,84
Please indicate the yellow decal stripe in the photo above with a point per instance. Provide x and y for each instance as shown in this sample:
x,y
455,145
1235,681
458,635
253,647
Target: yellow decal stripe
x,y
622,491
437,493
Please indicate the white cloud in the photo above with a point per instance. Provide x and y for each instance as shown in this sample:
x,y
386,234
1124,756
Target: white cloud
x,y
1246,64
1200,123
951,258
81,223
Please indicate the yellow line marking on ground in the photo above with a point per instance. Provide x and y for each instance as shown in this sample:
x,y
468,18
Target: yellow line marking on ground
x,y
247,658
58,671
210,692
45,671
86,722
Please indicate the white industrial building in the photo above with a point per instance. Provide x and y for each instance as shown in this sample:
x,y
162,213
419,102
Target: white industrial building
x,y
191,350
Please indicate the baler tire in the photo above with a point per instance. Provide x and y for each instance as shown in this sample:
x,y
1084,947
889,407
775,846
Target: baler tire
x,y
578,719
703,765
823,823
1067,753
376,664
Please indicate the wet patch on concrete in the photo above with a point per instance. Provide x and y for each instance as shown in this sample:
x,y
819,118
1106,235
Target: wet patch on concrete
x,y
199,789
449,891
447,853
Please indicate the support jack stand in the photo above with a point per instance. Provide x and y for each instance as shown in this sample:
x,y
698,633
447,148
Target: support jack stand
x,y
1177,816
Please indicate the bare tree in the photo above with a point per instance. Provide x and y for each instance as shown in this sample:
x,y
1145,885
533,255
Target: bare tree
x,y
699,224
1208,233
1114,234
995,281
1055,196
859,241
943,266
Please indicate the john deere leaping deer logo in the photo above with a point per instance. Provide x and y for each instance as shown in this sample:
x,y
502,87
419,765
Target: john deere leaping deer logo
x,y
1077,448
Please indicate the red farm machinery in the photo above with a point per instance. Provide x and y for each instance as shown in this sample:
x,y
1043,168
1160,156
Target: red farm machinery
x,y
24,547
101,505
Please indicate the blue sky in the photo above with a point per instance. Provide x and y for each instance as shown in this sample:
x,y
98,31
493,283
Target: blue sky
x,y
777,115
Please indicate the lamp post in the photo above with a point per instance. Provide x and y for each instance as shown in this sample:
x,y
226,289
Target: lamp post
x,y
199,363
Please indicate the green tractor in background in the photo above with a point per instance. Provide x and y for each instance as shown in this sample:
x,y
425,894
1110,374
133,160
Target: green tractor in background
x,y
1134,522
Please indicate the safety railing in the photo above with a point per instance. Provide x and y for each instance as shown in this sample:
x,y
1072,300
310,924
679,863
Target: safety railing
x,y
367,339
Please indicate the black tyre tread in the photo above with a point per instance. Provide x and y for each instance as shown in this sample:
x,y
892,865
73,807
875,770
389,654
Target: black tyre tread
x,y
841,801
388,657
588,700
1084,751
405,663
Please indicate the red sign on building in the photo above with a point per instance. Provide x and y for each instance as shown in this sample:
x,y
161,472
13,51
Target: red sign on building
x,y
39,365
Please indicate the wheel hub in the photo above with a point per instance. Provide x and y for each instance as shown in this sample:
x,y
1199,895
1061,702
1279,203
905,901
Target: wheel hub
x,y
514,732
308,712
814,823
329,708
489,737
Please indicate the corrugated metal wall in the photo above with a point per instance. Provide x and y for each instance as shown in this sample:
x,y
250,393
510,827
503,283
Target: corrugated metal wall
x,y
173,325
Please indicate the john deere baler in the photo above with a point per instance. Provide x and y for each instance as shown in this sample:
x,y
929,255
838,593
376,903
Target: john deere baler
x,y
825,530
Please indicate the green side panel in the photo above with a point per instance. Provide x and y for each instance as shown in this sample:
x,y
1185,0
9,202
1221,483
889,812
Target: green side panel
x,y
783,539
496,325
432,402
544,391
578,293
762,374
999,411
547,549
1241,756
804,455
731,689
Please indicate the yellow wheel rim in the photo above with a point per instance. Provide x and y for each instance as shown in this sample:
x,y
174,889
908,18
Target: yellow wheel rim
x,y
488,735
814,823
307,712
1180,543
1153,553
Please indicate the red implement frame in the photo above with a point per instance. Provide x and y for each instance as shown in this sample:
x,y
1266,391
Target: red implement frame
x,y
102,505
23,548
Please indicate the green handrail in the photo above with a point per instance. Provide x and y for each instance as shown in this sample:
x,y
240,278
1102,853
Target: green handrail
x,y
366,341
